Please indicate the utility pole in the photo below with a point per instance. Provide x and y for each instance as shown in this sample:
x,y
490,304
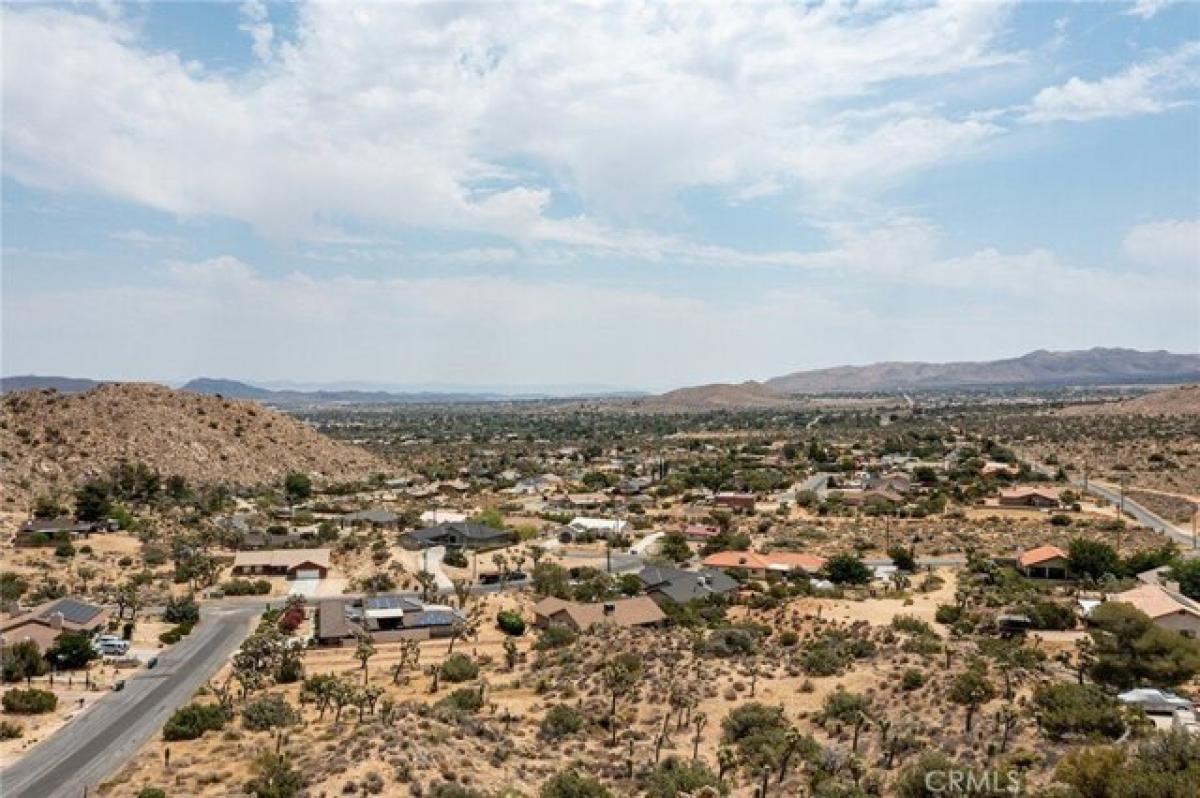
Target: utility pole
x,y
1121,512
1195,515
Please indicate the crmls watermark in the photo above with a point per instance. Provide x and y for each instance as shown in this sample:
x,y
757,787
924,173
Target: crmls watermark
x,y
973,782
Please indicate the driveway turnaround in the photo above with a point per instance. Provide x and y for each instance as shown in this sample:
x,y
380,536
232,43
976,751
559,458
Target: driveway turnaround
x,y
94,745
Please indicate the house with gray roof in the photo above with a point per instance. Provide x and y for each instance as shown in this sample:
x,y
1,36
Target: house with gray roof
x,y
459,535
682,586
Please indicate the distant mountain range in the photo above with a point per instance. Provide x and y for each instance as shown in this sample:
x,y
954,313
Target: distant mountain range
x,y
288,396
1097,366
1041,368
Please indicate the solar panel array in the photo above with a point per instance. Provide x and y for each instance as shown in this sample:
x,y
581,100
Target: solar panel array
x,y
73,611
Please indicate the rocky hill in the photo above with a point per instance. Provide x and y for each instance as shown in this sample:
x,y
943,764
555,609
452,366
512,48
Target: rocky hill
x,y
716,397
1040,368
52,440
1182,401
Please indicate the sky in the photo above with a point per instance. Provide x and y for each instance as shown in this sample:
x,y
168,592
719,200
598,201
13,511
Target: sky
x,y
634,195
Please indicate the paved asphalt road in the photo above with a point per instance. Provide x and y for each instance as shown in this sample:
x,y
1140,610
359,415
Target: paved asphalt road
x,y
1132,508
96,744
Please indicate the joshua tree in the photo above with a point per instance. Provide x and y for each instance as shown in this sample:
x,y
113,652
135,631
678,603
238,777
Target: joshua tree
x,y
511,655
619,674
972,689
410,654
428,584
1007,719
726,761
796,742
700,720
363,653
462,592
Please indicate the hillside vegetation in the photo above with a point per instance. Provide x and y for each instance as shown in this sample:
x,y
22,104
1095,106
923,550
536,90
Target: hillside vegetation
x,y
54,441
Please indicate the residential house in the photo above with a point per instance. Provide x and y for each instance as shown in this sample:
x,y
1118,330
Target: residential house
x,y
700,532
1030,497
45,623
759,565
291,563
1168,609
459,535
735,501
1044,562
48,531
629,612
681,586
387,618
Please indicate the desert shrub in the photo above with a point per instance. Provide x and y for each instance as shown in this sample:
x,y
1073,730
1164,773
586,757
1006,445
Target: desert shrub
x,y
175,634
29,702
788,638
246,587
191,721
907,623
1049,615
912,679
833,653
455,558
948,613
459,667
555,636
449,789
291,670
152,792
1084,710
182,611
678,777
510,622
571,783
10,730
561,721
269,712
466,699
731,641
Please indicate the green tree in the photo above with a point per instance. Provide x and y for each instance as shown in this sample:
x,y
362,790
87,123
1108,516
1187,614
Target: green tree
x,y
297,487
1085,710
22,661
1092,559
93,501
72,650
847,569
1129,650
674,547
1187,574
12,587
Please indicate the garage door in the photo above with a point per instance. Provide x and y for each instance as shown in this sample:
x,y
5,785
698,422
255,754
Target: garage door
x,y
308,573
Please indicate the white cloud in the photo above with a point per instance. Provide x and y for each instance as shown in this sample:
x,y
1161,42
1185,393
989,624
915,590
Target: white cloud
x,y
417,115
256,22
1165,244
1150,87
1148,9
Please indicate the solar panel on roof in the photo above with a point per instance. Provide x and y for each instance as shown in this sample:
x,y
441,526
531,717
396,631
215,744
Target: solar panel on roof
x,y
72,611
